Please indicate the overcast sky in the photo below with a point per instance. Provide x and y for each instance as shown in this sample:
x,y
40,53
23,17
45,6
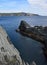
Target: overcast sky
x,y
31,6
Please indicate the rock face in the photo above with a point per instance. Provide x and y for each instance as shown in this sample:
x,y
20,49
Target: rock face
x,y
9,55
23,26
32,32
38,33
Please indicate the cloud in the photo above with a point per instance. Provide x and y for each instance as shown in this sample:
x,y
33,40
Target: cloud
x,y
42,4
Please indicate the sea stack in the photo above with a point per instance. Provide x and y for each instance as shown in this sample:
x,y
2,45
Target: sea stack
x,y
32,32
38,33
23,26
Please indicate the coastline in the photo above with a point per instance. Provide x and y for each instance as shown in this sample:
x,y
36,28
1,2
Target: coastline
x,y
18,14
8,52
38,33
9,55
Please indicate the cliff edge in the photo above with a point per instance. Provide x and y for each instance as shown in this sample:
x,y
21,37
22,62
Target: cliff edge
x,y
9,55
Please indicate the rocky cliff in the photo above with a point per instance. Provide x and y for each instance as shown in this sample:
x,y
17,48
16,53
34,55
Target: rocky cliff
x,y
9,55
38,33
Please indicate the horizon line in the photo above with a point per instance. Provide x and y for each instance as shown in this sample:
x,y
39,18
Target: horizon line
x,y
23,12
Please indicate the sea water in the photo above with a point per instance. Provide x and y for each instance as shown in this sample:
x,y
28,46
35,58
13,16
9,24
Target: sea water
x,y
30,50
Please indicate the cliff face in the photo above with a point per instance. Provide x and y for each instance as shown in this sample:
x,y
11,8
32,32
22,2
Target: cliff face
x,y
9,55
38,33
23,26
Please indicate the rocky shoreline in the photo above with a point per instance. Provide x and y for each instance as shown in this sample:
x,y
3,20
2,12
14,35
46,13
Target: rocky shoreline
x,y
9,55
38,33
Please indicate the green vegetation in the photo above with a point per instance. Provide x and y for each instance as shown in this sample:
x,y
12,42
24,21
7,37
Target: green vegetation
x,y
18,14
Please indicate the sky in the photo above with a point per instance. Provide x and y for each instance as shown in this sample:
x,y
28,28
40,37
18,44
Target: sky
x,y
28,6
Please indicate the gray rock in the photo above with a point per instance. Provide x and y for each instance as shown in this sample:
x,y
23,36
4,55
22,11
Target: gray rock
x,y
9,55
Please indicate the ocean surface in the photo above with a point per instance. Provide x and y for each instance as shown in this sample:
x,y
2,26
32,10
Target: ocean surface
x,y
30,50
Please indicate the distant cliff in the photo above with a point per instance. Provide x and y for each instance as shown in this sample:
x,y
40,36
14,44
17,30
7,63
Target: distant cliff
x,y
18,14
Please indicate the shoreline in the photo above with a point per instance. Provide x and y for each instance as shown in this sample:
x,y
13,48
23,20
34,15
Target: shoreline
x,y
37,33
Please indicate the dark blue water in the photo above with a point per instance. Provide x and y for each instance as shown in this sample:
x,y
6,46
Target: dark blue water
x,y
29,49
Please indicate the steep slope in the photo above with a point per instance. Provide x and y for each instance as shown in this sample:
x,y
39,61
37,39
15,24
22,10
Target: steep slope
x,y
9,55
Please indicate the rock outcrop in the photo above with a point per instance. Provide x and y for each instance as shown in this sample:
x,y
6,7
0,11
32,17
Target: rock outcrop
x,y
38,33
9,55
23,26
